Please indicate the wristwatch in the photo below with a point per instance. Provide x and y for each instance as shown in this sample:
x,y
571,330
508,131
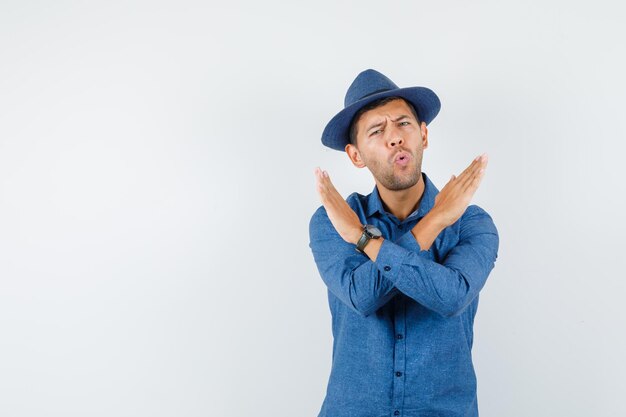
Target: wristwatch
x,y
369,232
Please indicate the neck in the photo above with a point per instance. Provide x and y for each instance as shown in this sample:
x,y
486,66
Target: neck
x,y
401,203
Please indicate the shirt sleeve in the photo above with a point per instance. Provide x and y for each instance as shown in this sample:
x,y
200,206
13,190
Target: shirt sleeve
x,y
447,287
351,276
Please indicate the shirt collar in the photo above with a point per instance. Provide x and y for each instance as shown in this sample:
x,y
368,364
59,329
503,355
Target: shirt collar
x,y
374,203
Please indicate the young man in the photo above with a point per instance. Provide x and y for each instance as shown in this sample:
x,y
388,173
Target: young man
x,y
403,265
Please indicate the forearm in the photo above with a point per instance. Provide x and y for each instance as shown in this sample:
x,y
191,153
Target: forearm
x,y
349,275
367,282
447,284
425,232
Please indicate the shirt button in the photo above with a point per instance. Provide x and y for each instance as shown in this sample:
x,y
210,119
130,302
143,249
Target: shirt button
x,y
396,413
399,336
387,268
400,226
398,373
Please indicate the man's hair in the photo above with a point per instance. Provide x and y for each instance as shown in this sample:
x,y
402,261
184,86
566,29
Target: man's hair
x,y
374,104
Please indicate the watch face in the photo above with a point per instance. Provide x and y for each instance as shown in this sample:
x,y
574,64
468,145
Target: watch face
x,y
374,231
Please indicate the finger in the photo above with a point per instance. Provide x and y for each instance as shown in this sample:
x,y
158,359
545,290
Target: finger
x,y
471,171
326,181
331,200
317,172
472,164
459,179
332,193
470,179
326,187
322,178
321,185
472,185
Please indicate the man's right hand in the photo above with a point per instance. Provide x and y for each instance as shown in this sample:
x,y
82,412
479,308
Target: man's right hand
x,y
453,199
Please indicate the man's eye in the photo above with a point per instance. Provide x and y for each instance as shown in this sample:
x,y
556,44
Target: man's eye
x,y
375,132
405,122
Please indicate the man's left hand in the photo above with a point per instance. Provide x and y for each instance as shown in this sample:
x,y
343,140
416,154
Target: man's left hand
x,y
341,215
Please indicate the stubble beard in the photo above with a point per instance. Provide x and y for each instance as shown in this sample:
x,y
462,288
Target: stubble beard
x,y
396,179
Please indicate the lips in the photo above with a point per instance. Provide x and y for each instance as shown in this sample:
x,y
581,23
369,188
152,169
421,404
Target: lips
x,y
402,158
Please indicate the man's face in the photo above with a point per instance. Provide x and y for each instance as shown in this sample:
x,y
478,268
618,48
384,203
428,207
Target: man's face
x,y
384,133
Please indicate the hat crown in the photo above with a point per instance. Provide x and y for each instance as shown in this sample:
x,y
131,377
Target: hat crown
x,y
369,86
367,83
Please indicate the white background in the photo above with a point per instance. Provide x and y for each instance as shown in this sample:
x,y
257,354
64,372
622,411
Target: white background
x,y
156,184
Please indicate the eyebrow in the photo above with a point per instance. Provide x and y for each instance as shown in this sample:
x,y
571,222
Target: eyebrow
x,y
404,116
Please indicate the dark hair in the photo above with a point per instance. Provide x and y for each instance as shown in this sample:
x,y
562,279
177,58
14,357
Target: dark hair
x,y
373,105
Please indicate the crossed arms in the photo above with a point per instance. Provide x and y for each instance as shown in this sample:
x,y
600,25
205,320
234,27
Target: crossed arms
x,y
401,266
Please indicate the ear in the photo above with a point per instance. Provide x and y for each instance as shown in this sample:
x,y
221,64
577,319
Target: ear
x,y
424,130
354,155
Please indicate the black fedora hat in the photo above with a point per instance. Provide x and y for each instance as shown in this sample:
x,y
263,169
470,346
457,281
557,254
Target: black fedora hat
x,y
368,86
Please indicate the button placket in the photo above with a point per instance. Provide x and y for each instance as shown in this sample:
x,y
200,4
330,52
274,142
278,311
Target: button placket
x,y
399,356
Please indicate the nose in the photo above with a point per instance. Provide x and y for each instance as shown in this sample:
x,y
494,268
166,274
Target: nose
x,y
395,137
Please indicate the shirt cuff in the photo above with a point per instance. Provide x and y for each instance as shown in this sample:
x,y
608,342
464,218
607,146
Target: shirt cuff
x,y
392,255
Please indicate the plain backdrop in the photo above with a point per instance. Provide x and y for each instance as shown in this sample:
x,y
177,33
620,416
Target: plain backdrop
x,y
156,186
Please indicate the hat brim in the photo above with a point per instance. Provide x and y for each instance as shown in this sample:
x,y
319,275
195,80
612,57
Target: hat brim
x,y
336,134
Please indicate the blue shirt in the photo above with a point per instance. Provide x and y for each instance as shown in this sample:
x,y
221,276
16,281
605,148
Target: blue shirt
x,y
403,325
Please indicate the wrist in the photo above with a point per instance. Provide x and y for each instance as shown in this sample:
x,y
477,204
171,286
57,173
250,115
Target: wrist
x,y
435,219
356,235
427,230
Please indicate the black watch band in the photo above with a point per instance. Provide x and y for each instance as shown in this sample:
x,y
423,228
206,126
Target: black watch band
x,y
369,232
